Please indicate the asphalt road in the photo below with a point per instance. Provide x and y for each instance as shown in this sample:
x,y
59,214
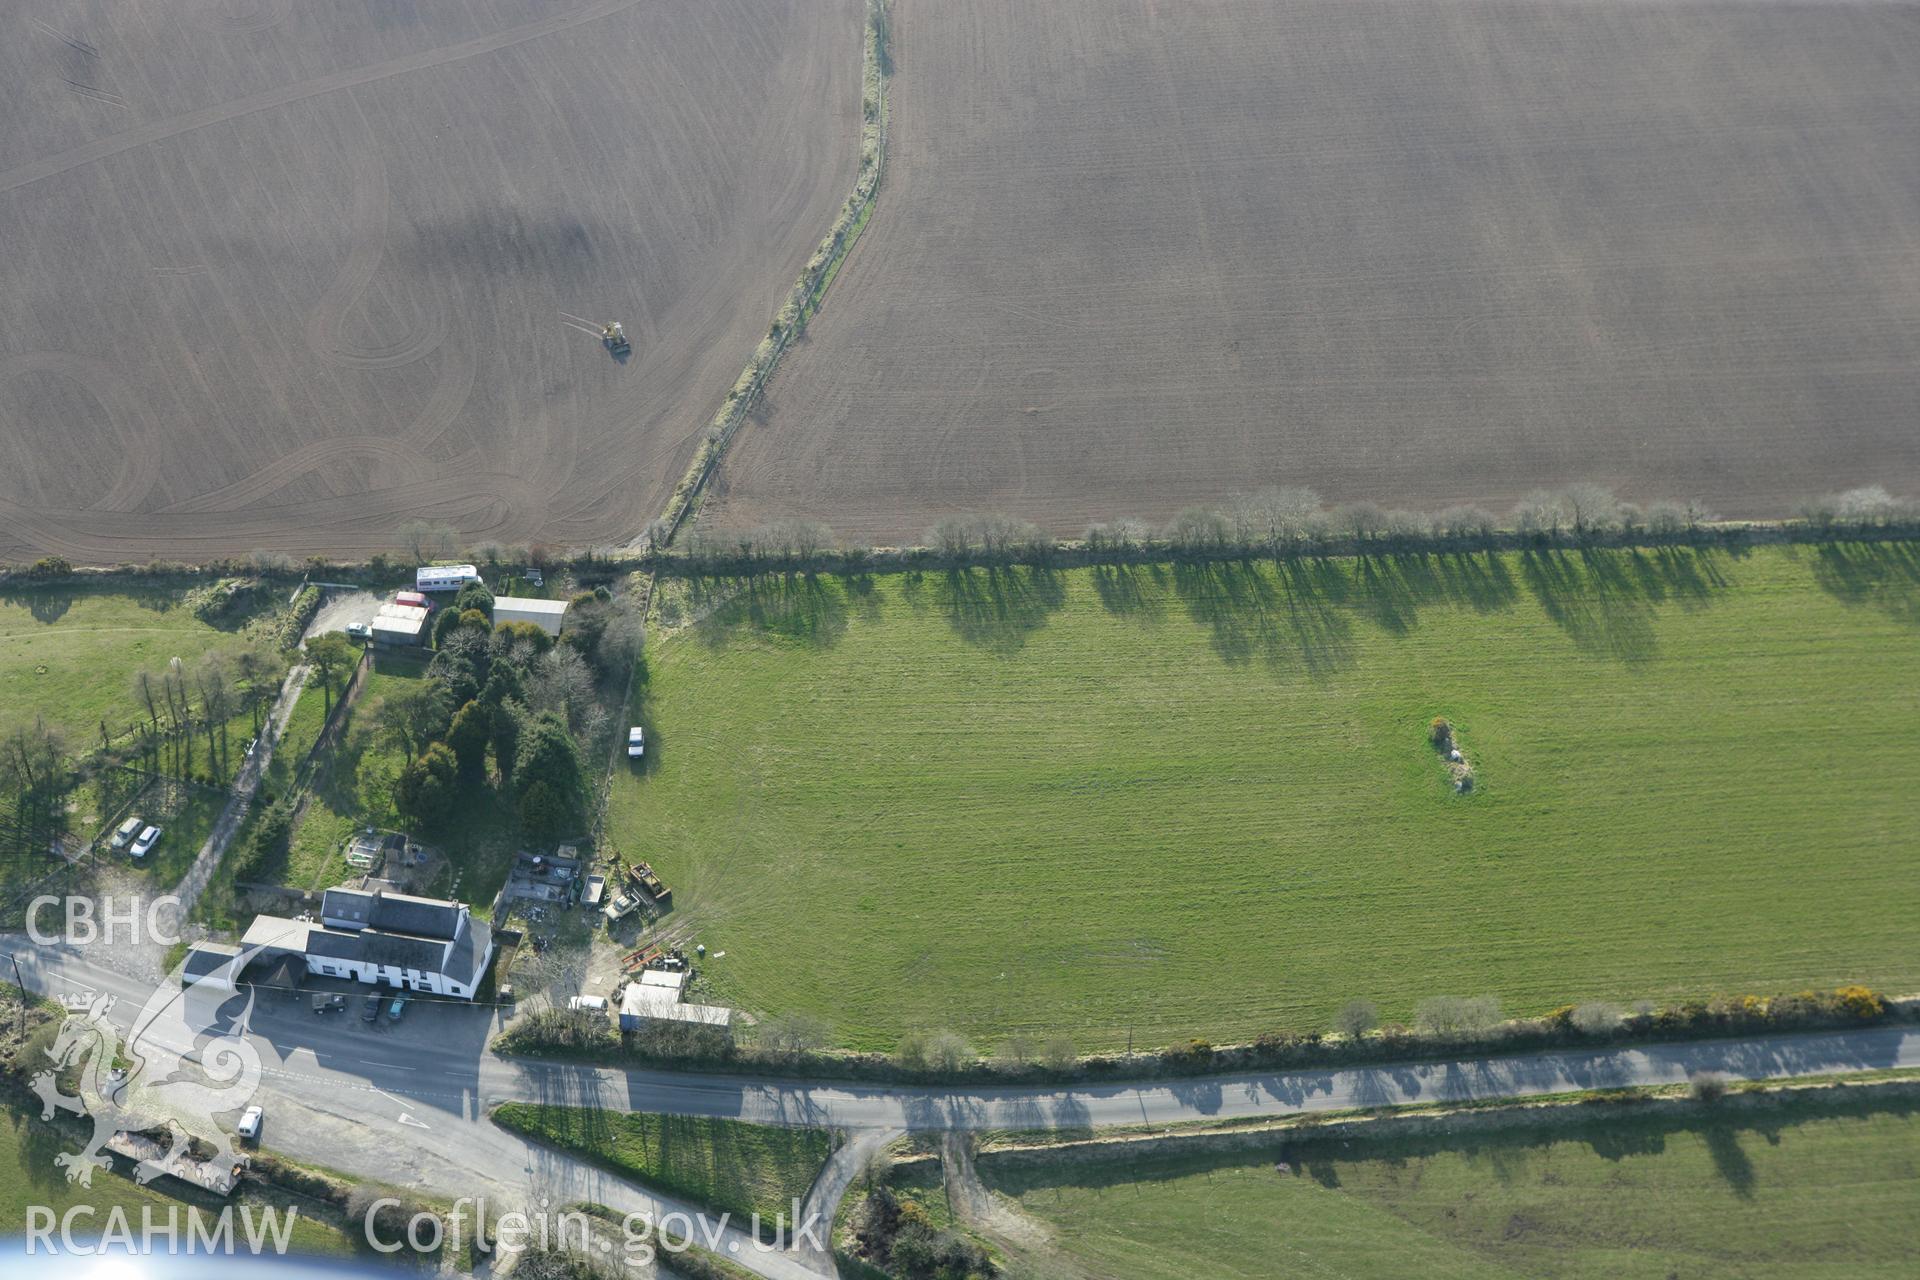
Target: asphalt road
x,y
407,1102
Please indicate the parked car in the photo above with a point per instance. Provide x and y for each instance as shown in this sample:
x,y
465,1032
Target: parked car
x,y
588,1004
124,833
359,631
623,906
636,743
144,845
329,1004
250,1121
398,1007
370,1007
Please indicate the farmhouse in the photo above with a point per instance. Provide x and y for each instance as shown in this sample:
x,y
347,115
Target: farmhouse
x,y
374,936
548,615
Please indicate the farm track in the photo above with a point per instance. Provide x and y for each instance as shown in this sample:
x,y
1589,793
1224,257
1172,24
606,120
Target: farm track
x,y
330,301
1136,256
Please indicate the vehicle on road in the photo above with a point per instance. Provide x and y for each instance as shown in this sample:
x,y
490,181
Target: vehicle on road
x,y
250,1121
636,742
124,833
370,1007
329,1004
144,845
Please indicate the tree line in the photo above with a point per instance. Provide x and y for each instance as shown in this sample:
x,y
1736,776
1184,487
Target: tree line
x,y
1288,521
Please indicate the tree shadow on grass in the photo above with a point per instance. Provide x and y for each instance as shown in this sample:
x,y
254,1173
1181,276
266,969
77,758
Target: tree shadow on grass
x,y
1289,618
1606,600
998,607
802,607
1880,575
1506,1142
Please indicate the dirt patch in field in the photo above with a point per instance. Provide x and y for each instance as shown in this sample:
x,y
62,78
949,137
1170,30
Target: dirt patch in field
x,y
289,280
1135,255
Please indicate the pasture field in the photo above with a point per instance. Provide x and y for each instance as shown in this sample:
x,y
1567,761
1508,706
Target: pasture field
x,y
737,1168
286,275
1133,255
1162,802
1803,1193
69,654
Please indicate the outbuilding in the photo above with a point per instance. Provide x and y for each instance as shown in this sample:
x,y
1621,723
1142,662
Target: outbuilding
x,y
398,626
548,615
211,964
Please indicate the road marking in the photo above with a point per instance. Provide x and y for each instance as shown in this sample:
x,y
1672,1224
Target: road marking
x,y
407,1119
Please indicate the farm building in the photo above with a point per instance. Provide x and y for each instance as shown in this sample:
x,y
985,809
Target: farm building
x,y
398,625
650,1001
211,963
548,615
417,944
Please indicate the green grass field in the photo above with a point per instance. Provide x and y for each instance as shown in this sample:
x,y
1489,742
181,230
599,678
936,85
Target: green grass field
x,y
27,1149
1791,1195
737,1168
1171,802
69,654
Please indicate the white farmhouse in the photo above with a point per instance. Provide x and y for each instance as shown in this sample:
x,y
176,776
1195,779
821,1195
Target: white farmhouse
x,y
373,936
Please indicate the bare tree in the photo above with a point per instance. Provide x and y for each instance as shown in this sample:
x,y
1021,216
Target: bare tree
x,y
1540,513
216,700
145,688
1361,521
1666,519
1464,522
1058,1053
1595,1017
954,536
792,1035
1590,508
1199,529
1357,1017
1456,1017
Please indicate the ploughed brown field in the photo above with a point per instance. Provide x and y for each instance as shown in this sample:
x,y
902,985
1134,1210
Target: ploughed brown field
x,y
285,275
1134,254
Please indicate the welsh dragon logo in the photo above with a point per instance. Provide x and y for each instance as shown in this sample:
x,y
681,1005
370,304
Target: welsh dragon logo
x,y
173,1071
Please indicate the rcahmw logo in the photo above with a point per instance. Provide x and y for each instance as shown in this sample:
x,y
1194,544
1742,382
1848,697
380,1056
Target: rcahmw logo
x,y
80,1231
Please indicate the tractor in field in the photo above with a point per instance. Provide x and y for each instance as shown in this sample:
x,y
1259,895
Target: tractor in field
x,y
615,337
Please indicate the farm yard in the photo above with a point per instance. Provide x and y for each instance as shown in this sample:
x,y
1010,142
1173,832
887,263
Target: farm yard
x,y
284,276
1158,802
1131,256
1815,1187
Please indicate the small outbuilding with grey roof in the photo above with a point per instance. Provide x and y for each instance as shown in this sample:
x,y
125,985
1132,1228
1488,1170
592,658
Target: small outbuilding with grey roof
x,y
548,615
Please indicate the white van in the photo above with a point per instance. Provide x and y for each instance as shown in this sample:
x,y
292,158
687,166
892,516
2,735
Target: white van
x,y
589,1004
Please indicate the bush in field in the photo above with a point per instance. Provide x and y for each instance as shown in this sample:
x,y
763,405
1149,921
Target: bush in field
x,y
1058,1053
1595,1018
1456,1017
1707,1086
1356,1018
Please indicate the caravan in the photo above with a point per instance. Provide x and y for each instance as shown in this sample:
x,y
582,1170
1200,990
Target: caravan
x,y
444,577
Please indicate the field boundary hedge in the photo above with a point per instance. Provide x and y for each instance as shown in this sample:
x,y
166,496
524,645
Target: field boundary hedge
x,y
804,298
568,1036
